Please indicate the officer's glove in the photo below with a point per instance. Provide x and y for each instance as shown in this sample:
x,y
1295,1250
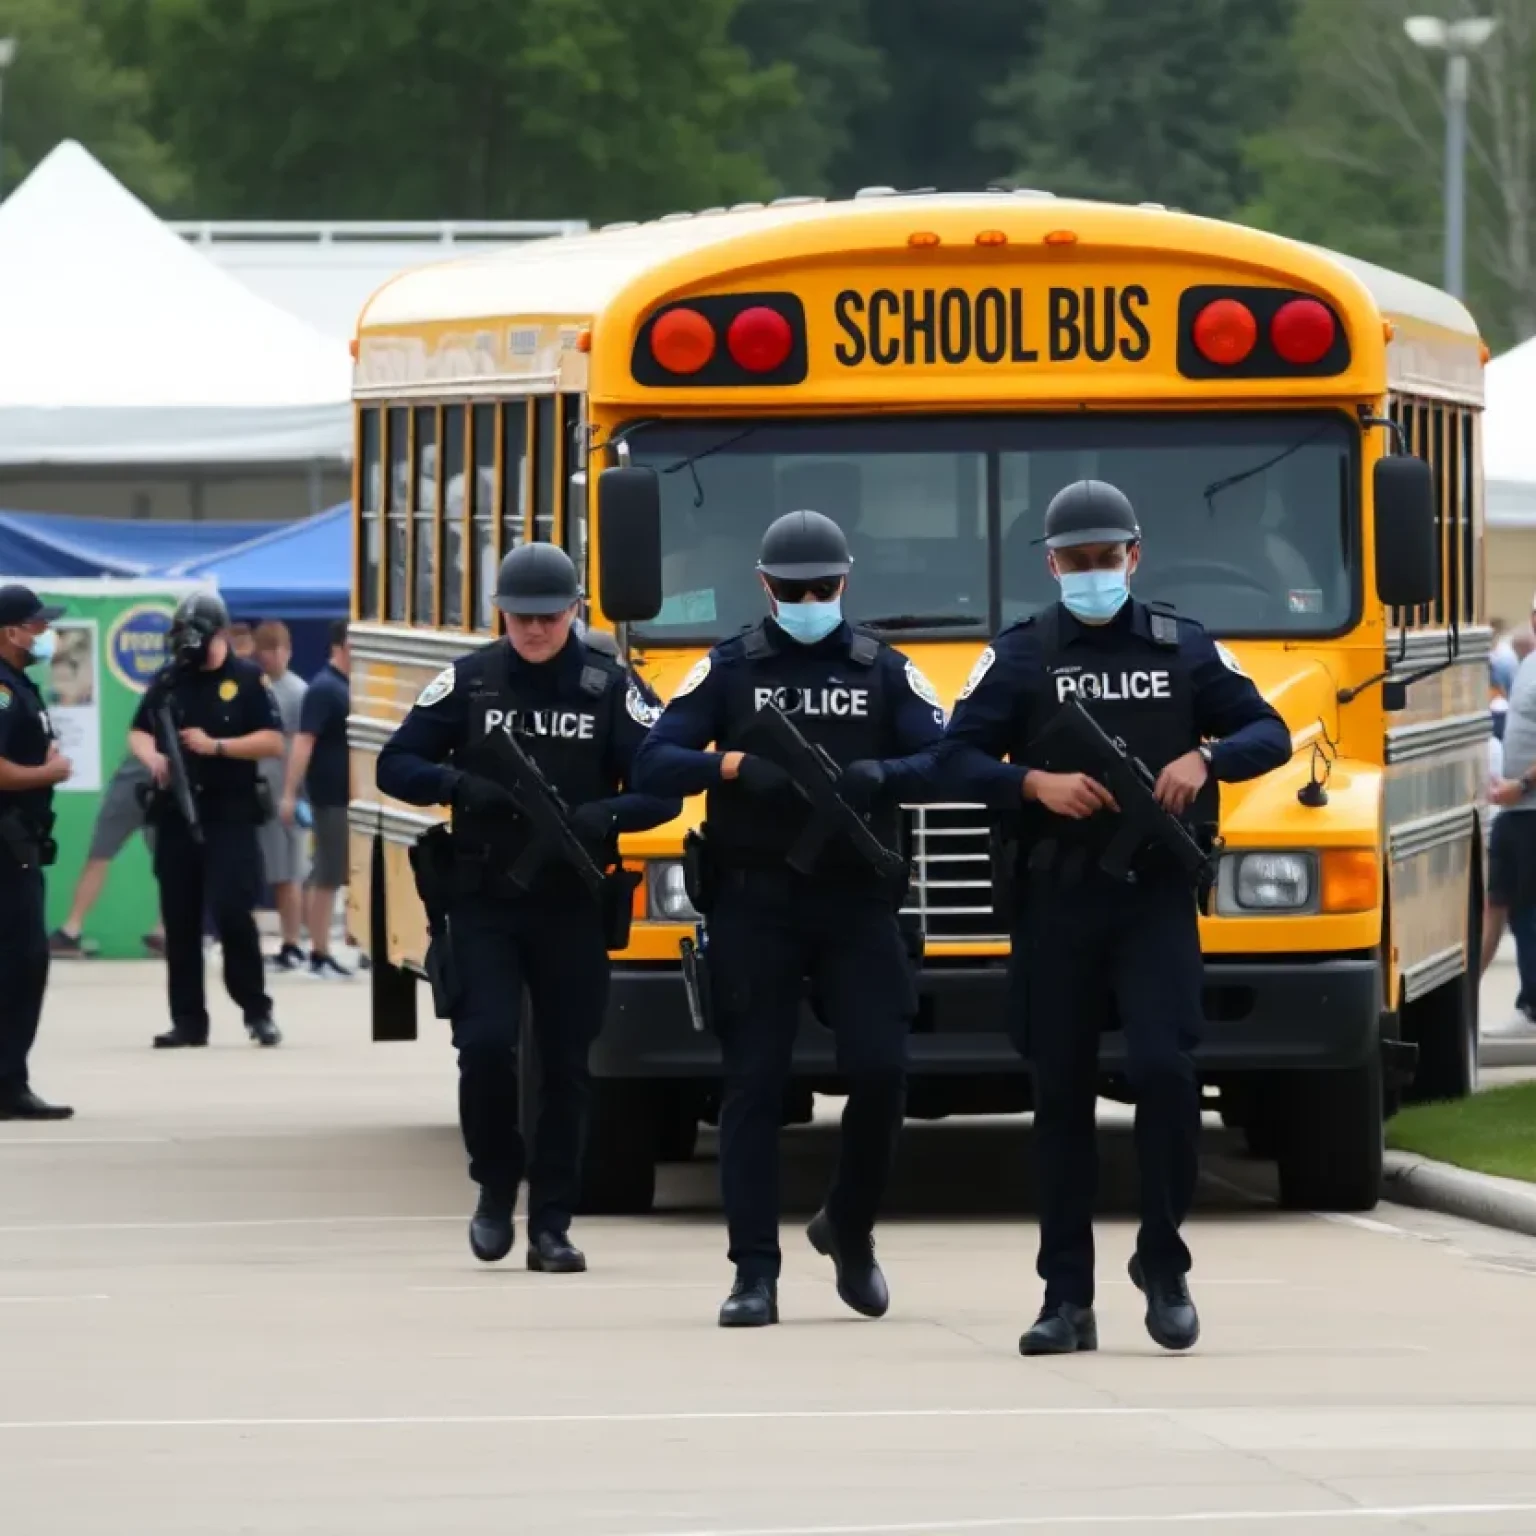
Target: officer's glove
x,y
593,823
758,776
476,796
860,783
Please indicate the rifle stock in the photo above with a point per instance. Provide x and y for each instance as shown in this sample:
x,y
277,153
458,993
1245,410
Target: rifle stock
x,y
815,776
181,783
551,839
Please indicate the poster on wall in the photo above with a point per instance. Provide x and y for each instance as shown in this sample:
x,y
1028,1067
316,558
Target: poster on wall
x,y
72,691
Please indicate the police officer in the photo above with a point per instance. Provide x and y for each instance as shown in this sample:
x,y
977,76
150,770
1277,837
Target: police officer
x,y
1083,942
580,716
225,721
30,766
771,929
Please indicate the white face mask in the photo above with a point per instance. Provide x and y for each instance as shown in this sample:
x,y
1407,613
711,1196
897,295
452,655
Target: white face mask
x,y
43,647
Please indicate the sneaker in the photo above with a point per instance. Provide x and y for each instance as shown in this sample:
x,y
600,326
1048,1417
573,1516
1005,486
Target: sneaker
x,y
66,946
289,958
328,968
264,1032
155,944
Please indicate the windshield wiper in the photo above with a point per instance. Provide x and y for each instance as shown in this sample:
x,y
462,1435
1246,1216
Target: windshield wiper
x,y
922,621
703,453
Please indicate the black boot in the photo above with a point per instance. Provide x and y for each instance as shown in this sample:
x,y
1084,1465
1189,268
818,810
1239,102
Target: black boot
x,y
860,1282
176,1038
490,1228
751,1304
1063,1329
264,1031
1171,1317
25,1105
553,1253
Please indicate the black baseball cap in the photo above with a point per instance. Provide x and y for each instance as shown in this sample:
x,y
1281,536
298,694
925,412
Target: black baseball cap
x,y
21,605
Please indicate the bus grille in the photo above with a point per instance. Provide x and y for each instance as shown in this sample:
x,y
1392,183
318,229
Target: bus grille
x,y
952,873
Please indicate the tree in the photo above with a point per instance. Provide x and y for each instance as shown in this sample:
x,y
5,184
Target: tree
x,y
414,109
1130,101
64,84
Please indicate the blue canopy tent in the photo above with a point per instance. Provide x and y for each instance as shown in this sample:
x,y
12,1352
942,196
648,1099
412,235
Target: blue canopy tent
x,y
44,544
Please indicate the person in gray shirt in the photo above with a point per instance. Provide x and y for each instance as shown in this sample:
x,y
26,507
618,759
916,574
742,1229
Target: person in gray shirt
x,y
282,846
1512,846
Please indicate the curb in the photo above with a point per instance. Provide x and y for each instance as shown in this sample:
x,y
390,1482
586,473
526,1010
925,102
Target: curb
x,y
1408,1179
1507,1051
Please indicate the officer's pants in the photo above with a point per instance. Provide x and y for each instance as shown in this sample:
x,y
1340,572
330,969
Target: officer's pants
x,y
23,970
552,944
768,934
1079,948
225,873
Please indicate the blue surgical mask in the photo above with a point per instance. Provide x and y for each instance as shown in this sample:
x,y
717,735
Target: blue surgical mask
x,y
1095,597
43,647
809,622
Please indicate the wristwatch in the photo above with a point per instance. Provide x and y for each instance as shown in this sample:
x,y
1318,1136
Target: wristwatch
x,y
218,749
1204,752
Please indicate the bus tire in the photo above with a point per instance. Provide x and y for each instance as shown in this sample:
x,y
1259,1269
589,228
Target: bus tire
x,y
1444,1023
618,1174
1332,1139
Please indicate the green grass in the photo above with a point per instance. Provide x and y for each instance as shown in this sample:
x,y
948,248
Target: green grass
x,y
1492,1132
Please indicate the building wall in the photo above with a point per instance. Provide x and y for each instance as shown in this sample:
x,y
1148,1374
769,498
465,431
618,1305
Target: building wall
x,y
217,497
1511,567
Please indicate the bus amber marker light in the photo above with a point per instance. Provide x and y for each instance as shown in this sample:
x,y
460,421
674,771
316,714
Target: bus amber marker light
x,y
1302,332
991,237
682,341
759,339
1349,880
1225,332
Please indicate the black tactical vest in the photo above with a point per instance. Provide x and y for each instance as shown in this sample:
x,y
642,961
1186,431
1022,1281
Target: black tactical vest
x,y
1140,691
566,732
838,703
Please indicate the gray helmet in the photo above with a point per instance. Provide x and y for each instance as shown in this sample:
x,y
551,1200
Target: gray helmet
x,y
803,546
537,578
198,618
1090,512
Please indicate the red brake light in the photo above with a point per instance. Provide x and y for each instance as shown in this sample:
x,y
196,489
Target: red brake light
x,y
682,341
1225,332
1302,331
759,339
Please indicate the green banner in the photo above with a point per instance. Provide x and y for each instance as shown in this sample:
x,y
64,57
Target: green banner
x,y
111,642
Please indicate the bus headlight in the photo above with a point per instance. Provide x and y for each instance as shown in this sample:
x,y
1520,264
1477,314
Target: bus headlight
x,y
1267,882
668,899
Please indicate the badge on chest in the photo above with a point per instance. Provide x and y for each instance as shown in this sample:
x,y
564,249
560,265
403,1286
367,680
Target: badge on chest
x,y
836,701
546,724
1113,685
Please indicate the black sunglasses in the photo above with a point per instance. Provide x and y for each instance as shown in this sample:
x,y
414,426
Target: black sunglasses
x,y
823,589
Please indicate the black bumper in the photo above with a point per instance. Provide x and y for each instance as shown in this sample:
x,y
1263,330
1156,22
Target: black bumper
x,y
1260,1015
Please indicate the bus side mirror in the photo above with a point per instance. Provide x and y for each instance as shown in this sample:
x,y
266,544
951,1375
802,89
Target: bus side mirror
x,y
629,543
1407,548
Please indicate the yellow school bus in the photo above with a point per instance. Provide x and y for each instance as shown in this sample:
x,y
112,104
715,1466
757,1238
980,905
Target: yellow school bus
x,y
1299,433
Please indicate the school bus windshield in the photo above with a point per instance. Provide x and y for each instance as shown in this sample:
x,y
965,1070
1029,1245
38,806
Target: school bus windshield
x,y
1249,520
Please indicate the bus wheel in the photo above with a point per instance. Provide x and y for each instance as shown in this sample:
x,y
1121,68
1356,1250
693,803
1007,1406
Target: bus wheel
x,y
618,1175
1444,1024
1332,1138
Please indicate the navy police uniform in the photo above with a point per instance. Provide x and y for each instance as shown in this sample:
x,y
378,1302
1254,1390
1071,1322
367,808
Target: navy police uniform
x,y
1087,947
26,847
580,716
770,930
221,875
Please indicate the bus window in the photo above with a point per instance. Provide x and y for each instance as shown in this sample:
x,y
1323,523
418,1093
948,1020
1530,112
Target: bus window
x,y
545,466
397,529
514,474
482,543
424,516
452,598
573,433
371,508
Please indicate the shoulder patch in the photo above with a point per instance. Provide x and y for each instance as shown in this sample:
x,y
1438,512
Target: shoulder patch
x,y
437,690
639,708
696,675
1229,661
921,686
5,697
983,666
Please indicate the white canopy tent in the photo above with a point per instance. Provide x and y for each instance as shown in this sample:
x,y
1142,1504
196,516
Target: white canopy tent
x,y
124,346
1509,436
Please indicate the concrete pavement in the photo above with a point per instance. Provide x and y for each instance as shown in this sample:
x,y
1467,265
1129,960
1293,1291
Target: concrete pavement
x,y
235,1295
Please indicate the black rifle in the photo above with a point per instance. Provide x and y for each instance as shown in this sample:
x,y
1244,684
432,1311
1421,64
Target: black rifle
x,y
815,776
181,784
1130,781
696,977
546,815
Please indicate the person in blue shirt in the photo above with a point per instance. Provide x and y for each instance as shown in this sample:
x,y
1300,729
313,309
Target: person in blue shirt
x,y
770,928
581,717
1084,942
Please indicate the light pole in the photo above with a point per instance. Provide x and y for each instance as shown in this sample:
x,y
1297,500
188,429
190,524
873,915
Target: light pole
x,y
1457,40
7,53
